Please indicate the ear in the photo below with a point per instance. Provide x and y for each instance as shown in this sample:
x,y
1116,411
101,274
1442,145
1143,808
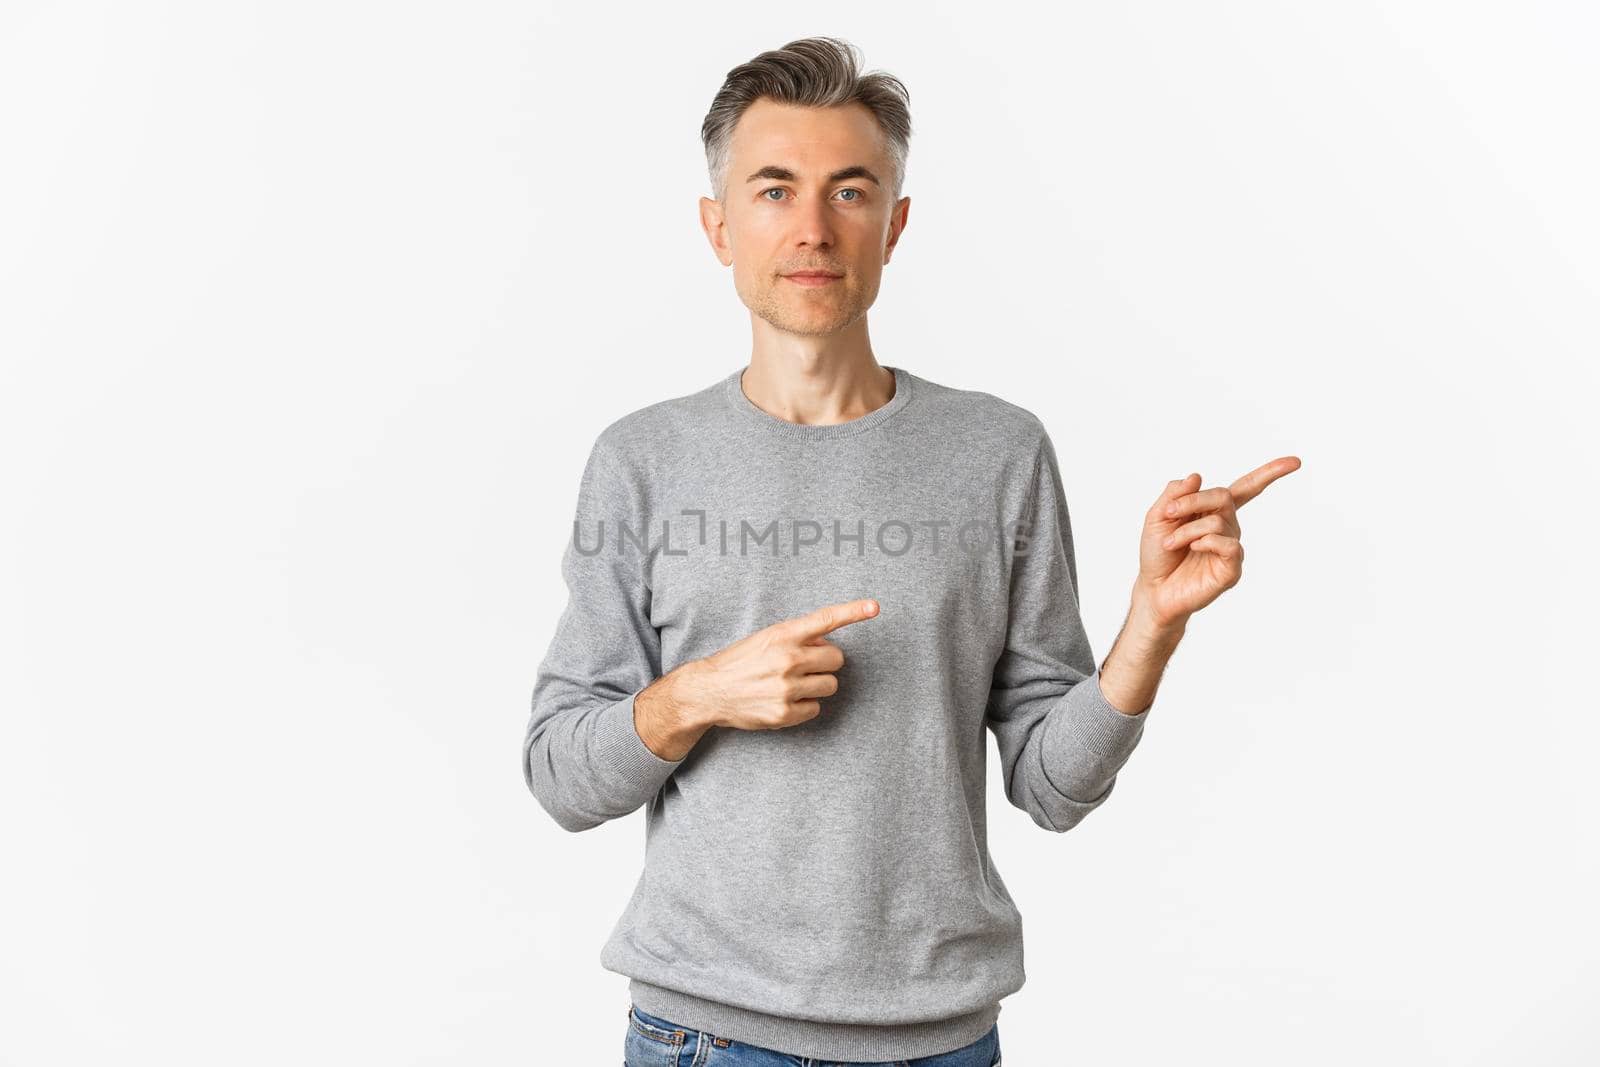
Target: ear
x,y
715,224
897,225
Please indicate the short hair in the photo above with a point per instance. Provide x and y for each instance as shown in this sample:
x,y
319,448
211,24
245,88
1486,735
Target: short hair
x,y
812,72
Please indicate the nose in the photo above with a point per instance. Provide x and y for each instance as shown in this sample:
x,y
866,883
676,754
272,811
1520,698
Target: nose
x,y
813,224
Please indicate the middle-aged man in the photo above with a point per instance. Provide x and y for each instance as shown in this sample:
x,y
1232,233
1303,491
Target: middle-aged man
x,y
799,595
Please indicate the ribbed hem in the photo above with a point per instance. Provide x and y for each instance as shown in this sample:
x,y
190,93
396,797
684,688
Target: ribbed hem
x,y
1110,721
1088,740
804,1037
619,748
767,423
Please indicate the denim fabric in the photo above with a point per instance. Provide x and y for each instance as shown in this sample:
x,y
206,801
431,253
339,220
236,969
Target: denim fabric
x,y
656,1042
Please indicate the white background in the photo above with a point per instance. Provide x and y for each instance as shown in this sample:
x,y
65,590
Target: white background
x,y
310,312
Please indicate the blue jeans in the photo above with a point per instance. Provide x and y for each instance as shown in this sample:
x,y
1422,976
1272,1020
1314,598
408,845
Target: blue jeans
x,y
655,1042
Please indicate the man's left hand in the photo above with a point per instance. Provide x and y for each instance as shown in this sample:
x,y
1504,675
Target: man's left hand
x,y
1190,550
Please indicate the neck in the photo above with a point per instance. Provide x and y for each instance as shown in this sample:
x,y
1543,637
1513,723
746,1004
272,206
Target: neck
x,y
818,389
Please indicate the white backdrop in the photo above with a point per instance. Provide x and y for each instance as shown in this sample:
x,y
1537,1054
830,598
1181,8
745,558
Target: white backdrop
x,y
310,312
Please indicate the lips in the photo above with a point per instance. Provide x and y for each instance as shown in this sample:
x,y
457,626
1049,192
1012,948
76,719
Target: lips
x,y
812,274
807,280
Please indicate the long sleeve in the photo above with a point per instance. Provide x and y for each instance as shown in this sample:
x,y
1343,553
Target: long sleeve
x,y
1061,742
582,757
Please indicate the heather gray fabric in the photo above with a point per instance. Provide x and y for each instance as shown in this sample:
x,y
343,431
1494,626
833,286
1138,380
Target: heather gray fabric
x,y
826,889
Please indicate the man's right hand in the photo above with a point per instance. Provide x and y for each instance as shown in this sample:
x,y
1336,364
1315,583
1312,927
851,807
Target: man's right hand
x,y
771,679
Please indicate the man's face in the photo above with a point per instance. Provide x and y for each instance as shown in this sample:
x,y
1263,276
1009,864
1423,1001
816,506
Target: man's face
x,y
801,196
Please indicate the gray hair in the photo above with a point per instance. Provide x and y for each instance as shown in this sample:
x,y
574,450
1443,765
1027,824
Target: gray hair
x,y
812,72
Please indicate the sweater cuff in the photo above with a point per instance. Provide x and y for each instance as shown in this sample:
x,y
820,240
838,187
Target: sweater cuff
x,y
618,747
1101,695
1094,724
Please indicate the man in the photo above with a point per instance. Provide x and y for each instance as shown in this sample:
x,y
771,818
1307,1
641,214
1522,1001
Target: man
x,y
799,596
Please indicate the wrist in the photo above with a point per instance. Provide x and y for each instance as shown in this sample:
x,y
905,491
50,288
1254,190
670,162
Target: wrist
x,y
664,715
1148,627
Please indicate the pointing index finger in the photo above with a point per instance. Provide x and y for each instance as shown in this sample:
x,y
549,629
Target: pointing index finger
x,y
1249,486
830,617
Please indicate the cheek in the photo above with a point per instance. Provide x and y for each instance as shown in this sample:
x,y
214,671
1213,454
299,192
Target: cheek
x,y
750,274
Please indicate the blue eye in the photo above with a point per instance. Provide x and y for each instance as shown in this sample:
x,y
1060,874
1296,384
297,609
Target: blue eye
x,y
775,189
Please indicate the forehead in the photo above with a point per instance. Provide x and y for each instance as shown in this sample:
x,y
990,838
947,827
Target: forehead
x,y
806,138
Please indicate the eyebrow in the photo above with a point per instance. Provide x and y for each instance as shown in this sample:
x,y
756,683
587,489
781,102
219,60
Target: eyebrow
x,y
784,174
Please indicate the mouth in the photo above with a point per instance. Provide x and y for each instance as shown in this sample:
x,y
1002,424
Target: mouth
x,y
812,278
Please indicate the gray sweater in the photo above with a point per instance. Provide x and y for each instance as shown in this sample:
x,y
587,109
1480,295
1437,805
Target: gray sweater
x,y
826,889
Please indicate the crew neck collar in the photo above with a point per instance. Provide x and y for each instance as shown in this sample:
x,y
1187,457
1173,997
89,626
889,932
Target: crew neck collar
x,y
771,424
